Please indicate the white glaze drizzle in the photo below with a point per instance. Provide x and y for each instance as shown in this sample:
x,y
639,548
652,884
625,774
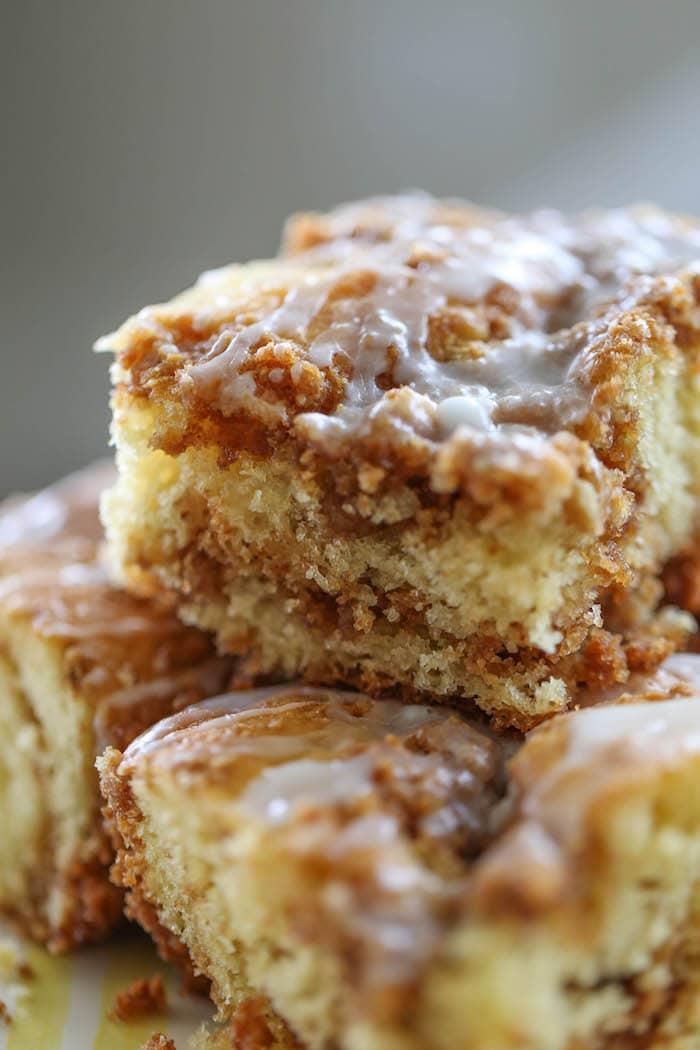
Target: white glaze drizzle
x,y
603,746
51,574
51,569
532,374
320,753
212,726
396,917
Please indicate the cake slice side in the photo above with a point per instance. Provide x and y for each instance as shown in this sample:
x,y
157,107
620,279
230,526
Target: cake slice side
x,y
83,664
450,461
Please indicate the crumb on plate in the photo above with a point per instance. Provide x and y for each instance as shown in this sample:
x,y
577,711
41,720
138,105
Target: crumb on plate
x,y
143,997
158,1041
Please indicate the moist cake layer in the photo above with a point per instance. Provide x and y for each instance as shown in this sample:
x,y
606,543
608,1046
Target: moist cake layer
x,y
398,877
432,449
82,664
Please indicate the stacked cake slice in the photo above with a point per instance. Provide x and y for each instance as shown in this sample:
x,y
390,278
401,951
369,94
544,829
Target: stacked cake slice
x,y
82,664
431,451
446,456
385,878
424,491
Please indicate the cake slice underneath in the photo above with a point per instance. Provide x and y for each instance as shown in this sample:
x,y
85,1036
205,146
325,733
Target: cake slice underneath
x,y
387,877
82,664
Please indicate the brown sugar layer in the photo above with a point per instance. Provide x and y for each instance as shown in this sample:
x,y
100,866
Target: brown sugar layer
x,y
82,664
363,868
431,449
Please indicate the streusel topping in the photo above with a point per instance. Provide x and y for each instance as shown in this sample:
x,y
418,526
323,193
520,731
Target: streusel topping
x,y
483,325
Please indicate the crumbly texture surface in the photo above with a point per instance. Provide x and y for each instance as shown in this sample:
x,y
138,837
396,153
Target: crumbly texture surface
x,y
393,877
430,450
82,664
144,997
252,1027
158,1041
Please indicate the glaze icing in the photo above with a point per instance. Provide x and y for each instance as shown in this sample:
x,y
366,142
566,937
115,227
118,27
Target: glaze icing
x,y
363,307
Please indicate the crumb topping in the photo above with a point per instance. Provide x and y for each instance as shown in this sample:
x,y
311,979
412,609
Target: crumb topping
x,y
410,320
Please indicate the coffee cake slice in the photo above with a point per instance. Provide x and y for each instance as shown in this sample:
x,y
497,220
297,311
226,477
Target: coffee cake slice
x,y
82,664
431,450
386,876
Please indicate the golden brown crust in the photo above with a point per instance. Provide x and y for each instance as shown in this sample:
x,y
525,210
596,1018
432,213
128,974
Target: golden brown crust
x,y
682,579
127,873
249,1027
170,948
92,907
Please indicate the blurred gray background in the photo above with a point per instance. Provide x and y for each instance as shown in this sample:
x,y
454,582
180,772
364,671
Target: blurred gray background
x,y
145,140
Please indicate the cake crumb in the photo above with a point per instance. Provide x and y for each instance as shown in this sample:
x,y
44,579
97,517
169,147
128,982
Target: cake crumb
x,y
205,1039
158,1041
249,1027
5,1015
143,997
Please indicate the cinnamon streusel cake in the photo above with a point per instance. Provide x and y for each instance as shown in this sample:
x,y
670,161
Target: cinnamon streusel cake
x,y
431,449
82,665
392,876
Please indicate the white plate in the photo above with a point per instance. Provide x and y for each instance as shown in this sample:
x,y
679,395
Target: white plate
x,y
66,1003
